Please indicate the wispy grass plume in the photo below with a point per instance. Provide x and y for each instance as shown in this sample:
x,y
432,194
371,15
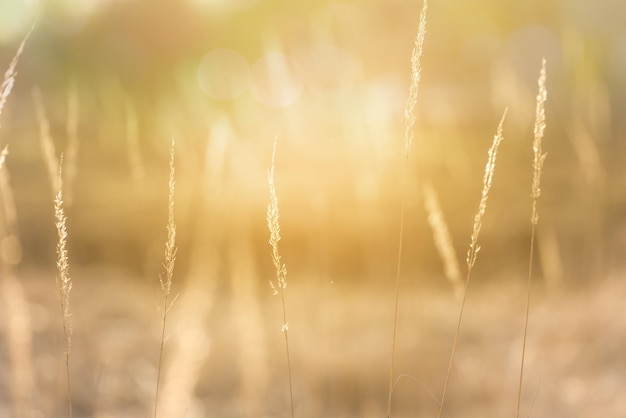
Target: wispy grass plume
x,y
11,73
280,283
443,240
191,346
409,114
416,75
472,253
538,160
64,281
170,259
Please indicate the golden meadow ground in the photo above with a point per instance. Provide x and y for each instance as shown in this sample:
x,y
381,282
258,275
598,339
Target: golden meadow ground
x,y
339,334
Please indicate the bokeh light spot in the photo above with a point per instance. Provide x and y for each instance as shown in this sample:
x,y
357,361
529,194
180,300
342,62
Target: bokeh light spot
x,y
223,74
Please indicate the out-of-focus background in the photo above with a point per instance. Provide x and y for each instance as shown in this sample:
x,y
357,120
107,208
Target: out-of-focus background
x,y
329,80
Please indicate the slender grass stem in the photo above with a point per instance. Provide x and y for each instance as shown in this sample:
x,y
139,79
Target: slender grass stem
x,y
472,253
280,284
526,314
166,282
397,289
539,158
64,281
410,115
11,73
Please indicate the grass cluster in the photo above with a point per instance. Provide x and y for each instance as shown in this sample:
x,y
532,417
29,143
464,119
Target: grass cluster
x,y
19,337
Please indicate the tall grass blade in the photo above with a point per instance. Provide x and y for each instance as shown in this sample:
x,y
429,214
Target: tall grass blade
x,y
280,283
410,116
64,281
170,260
11,73
539,159
472,253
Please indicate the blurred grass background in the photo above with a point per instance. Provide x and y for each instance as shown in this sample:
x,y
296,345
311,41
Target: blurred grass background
x,y
330,80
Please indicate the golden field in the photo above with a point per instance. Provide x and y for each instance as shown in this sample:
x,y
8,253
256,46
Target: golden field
x,y
102,88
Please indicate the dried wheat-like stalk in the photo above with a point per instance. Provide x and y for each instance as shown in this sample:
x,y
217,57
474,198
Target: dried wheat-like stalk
x,y
11,73
191,345
170,259
409,114
539,158
73,143
279,285
47,143
443,240
482,207
64,281
416,72
474,248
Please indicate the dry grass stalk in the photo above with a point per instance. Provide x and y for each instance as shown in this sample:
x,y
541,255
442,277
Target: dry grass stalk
x,y
474,248
73,143
539,159
170,259
47,143
191,345
9,76
189,352
410,116
280,284
416,72
443,240
64,281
